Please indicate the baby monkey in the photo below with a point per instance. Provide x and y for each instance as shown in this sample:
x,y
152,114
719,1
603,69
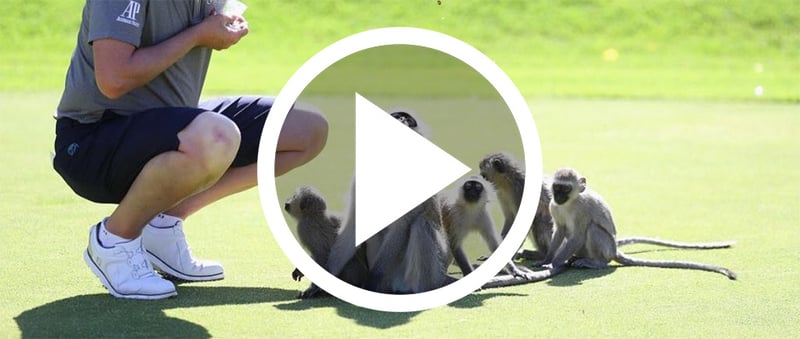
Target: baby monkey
x,y
317,229
585,234
465,210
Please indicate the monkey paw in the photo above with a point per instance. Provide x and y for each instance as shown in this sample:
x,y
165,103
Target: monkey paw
x,y
297,275
310,292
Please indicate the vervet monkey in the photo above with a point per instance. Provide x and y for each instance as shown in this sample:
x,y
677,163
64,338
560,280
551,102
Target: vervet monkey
x,y
466,209
317,229
585,234
508,177
410,255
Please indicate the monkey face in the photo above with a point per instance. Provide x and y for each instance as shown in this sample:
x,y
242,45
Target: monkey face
x,y
498,165
561,193
486,169
472,190
405,118
305,200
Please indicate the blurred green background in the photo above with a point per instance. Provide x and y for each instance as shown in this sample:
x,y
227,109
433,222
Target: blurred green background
x,y
600,48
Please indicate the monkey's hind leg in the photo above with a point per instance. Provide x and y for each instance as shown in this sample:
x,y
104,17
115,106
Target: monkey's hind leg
x,y
598,251
588,263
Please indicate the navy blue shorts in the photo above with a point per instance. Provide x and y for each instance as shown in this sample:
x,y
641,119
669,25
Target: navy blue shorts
x,y
100,160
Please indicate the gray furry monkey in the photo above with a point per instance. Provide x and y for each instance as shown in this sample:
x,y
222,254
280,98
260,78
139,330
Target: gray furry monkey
x,y
508,177
318,229
408,256
585,234
466,209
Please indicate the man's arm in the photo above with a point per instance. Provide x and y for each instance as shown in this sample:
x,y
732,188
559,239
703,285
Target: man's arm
x,y
120,67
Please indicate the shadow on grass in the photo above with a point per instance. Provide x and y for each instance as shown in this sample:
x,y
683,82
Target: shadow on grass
x,y
379,319
476,300
362,316
576,276
100,315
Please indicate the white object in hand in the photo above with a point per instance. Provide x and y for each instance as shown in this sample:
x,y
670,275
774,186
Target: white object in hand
x,y
230,7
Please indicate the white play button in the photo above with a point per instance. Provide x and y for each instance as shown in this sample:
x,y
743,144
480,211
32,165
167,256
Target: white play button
x,y
471,106
396,169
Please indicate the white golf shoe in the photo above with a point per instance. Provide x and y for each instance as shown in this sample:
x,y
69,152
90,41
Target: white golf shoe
x,y
169,252
124,270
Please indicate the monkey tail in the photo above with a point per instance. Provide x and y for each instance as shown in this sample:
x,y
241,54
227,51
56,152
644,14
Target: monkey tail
x,y
675,244
630,261
512,280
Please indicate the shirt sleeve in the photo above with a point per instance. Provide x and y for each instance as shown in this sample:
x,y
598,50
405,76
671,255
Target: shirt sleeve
x,y
117,19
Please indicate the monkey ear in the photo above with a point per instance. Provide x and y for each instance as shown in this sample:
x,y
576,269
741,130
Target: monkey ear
x,y
582,182
498,165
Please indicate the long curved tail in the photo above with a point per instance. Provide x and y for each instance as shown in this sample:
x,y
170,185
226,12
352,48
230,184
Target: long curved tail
x,y
630,261
676,244
512,280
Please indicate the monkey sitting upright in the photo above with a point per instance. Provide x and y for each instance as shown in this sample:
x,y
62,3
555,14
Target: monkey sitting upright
x,y
317,230
585,234
508,177
465,210
408,256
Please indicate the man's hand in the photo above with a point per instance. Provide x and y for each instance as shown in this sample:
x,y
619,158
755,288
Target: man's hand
x,y
219,31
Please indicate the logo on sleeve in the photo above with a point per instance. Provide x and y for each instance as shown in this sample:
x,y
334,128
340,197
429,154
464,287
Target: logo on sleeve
x,y
128,16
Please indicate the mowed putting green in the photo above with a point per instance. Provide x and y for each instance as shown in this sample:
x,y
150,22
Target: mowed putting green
x,y
702,143
686,170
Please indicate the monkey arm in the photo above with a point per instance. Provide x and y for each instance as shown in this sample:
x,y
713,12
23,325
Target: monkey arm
x,y
555,244
461,259
506,227
488,232
573,244
489,235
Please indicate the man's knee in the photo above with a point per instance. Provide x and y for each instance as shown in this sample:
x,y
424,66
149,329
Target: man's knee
x,y
318,130
305,130
211,139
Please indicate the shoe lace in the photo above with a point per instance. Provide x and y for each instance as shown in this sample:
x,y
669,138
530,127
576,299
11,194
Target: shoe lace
x,y
183,245
140,266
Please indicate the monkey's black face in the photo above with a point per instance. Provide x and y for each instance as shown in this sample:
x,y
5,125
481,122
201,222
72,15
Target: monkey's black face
x,y
561,193
499,165
287,206
405,118
472,190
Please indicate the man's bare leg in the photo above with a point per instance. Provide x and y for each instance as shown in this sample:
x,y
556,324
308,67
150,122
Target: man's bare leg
x,y
302,138
207,147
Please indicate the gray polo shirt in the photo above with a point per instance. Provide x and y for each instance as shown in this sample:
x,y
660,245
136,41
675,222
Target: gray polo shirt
x,y
140,23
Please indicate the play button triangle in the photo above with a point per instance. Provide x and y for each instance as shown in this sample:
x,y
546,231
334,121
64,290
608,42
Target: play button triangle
x,y
396,169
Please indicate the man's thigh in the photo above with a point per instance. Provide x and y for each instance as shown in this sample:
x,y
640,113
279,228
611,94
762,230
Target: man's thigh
x,y
249,114
100,161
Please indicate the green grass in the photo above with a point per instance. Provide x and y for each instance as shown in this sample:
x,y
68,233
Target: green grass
x,y
670,134
667,49
693,171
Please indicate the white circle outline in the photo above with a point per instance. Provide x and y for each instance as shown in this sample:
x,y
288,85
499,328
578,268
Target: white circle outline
x,y
291,92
